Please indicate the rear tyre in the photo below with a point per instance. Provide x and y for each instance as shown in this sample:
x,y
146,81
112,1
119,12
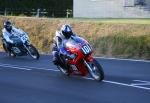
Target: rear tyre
x,y
63,66
11,54
8,51
33,52
63,70
4,47
96,70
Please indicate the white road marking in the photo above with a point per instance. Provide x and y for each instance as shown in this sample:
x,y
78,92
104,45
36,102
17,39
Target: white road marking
x,y
14,67
129,85
140,83
111,82
147,61
144,84
123,84
24,67
133,60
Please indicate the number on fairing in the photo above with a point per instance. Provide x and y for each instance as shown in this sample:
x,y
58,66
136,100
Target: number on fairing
x,y
86,49
24,38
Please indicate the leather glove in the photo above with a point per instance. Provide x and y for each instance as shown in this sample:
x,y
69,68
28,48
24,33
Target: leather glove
x,y
72,56
15,43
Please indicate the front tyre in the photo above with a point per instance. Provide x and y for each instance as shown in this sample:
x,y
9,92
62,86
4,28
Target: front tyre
x,y
95,70
33,52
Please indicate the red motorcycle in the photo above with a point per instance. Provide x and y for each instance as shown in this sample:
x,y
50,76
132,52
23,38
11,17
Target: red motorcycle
x,y
82,63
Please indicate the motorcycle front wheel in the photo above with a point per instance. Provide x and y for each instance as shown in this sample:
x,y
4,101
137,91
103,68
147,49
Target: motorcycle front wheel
x,y
33,52
95,70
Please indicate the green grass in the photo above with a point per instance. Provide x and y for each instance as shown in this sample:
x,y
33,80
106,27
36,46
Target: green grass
x,y
112,21
127,21
123,38
124,46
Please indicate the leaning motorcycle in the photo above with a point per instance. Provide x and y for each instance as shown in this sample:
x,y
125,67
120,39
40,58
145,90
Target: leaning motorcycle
x,y
83,62
21,46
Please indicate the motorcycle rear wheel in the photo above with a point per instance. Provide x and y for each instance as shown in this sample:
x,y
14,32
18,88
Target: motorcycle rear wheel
x,y
63,66
63,70
4,47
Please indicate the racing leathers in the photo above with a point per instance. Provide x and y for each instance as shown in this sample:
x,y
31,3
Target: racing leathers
x,y
6,35
58,47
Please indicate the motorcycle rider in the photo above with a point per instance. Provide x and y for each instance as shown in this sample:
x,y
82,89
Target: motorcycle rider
x,y
7,32
64,34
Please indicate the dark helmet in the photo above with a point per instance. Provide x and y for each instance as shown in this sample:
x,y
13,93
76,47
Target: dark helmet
x,y
66,31
8,25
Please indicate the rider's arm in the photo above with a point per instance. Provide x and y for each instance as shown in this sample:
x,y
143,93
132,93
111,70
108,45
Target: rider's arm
x,y
6,37
61,48
20,31
59,42
16,29
66,53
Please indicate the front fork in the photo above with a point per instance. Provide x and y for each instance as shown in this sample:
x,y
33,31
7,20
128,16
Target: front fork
x,y
27,48
86,60
88,66
89,59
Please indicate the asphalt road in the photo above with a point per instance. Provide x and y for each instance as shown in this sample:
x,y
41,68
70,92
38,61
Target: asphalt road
x,y
24,80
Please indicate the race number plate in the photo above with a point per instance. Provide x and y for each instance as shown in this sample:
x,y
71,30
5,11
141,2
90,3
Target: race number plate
x,y
24,38
86,49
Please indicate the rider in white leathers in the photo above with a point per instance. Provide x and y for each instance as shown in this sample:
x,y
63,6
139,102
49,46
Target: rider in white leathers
x,y
64,34
7,32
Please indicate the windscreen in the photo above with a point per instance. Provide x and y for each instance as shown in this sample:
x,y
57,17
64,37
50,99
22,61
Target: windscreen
x,y
74,42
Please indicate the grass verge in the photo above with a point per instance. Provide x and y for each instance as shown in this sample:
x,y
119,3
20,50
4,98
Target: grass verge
x,y
122,38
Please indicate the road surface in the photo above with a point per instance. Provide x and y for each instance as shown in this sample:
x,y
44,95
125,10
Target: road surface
x,y
24,80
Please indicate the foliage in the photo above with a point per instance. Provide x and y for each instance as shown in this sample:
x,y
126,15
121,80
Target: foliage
x,y
123,40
